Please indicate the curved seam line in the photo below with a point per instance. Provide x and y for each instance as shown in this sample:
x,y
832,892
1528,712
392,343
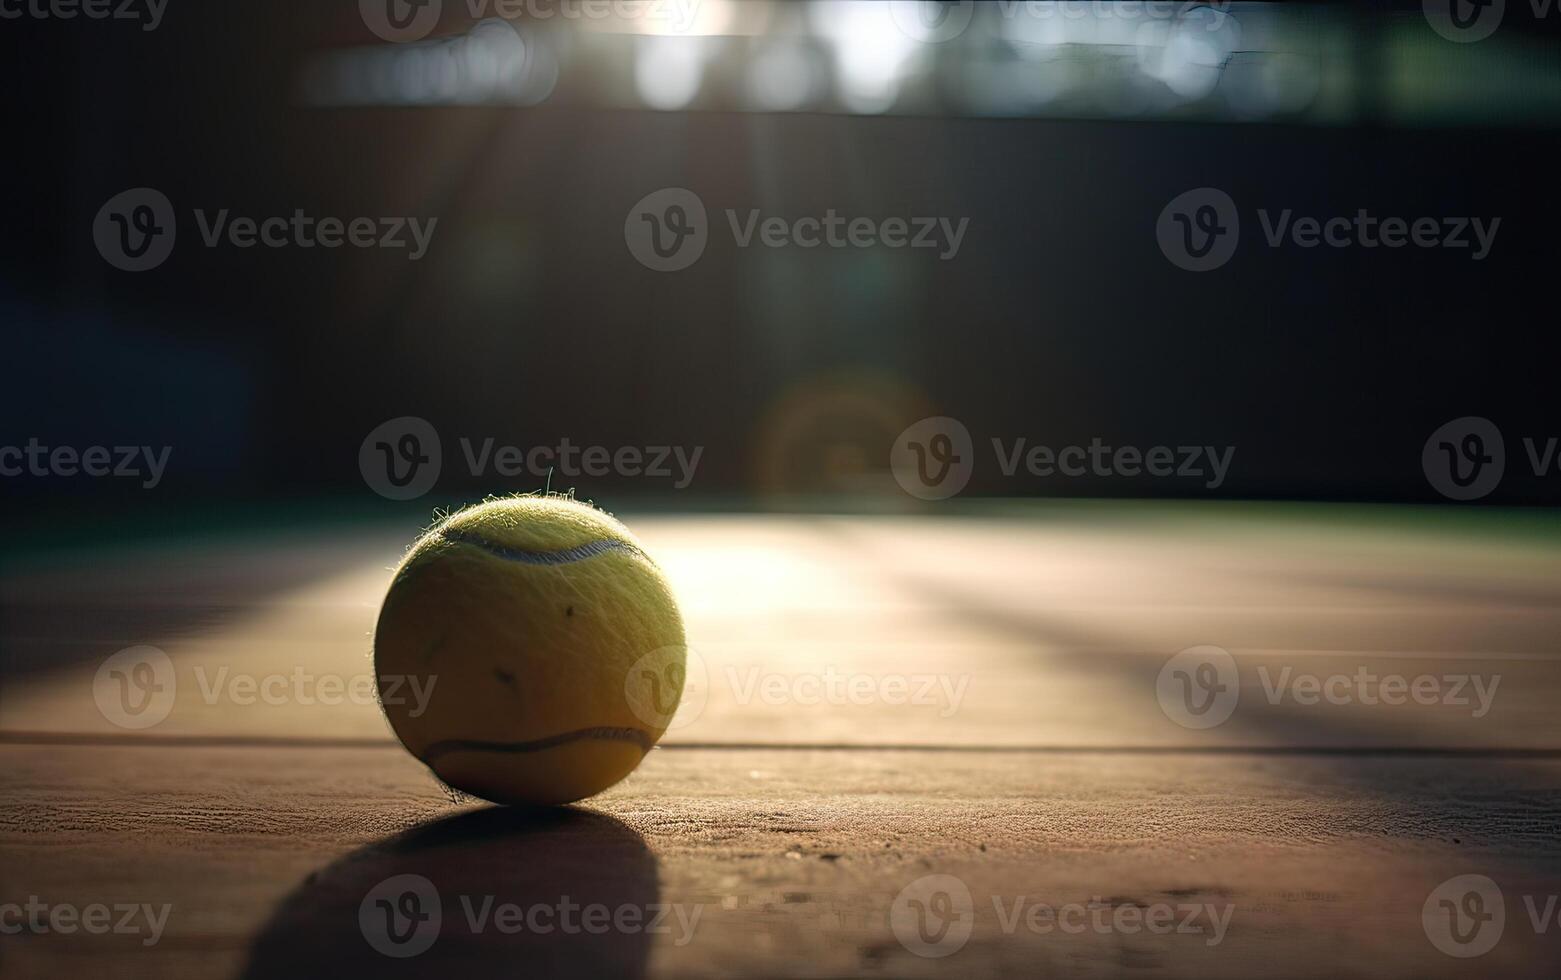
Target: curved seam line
x,y
578,553
445,746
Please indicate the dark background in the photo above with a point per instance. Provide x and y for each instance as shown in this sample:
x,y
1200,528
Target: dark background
x,y
529,320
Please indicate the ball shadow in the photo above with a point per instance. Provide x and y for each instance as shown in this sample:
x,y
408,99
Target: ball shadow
x,y
499,890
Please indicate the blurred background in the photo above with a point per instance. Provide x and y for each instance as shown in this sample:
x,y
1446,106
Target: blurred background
x,y
993,352
1055,134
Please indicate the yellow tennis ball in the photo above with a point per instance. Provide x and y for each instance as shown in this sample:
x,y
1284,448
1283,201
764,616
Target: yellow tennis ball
x,y
529,650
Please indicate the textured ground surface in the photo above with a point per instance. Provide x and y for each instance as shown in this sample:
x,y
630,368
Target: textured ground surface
x,y
1007,737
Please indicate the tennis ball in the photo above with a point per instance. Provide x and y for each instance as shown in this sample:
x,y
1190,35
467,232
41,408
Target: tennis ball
x,y
531,624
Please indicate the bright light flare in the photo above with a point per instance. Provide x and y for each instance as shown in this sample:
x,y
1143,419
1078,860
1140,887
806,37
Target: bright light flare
x,y
871,51
668,69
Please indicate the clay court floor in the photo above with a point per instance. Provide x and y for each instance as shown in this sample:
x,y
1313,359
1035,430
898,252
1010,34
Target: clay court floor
x,y
912,746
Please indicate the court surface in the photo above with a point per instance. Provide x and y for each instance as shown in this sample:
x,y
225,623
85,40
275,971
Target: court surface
x,y
912,746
